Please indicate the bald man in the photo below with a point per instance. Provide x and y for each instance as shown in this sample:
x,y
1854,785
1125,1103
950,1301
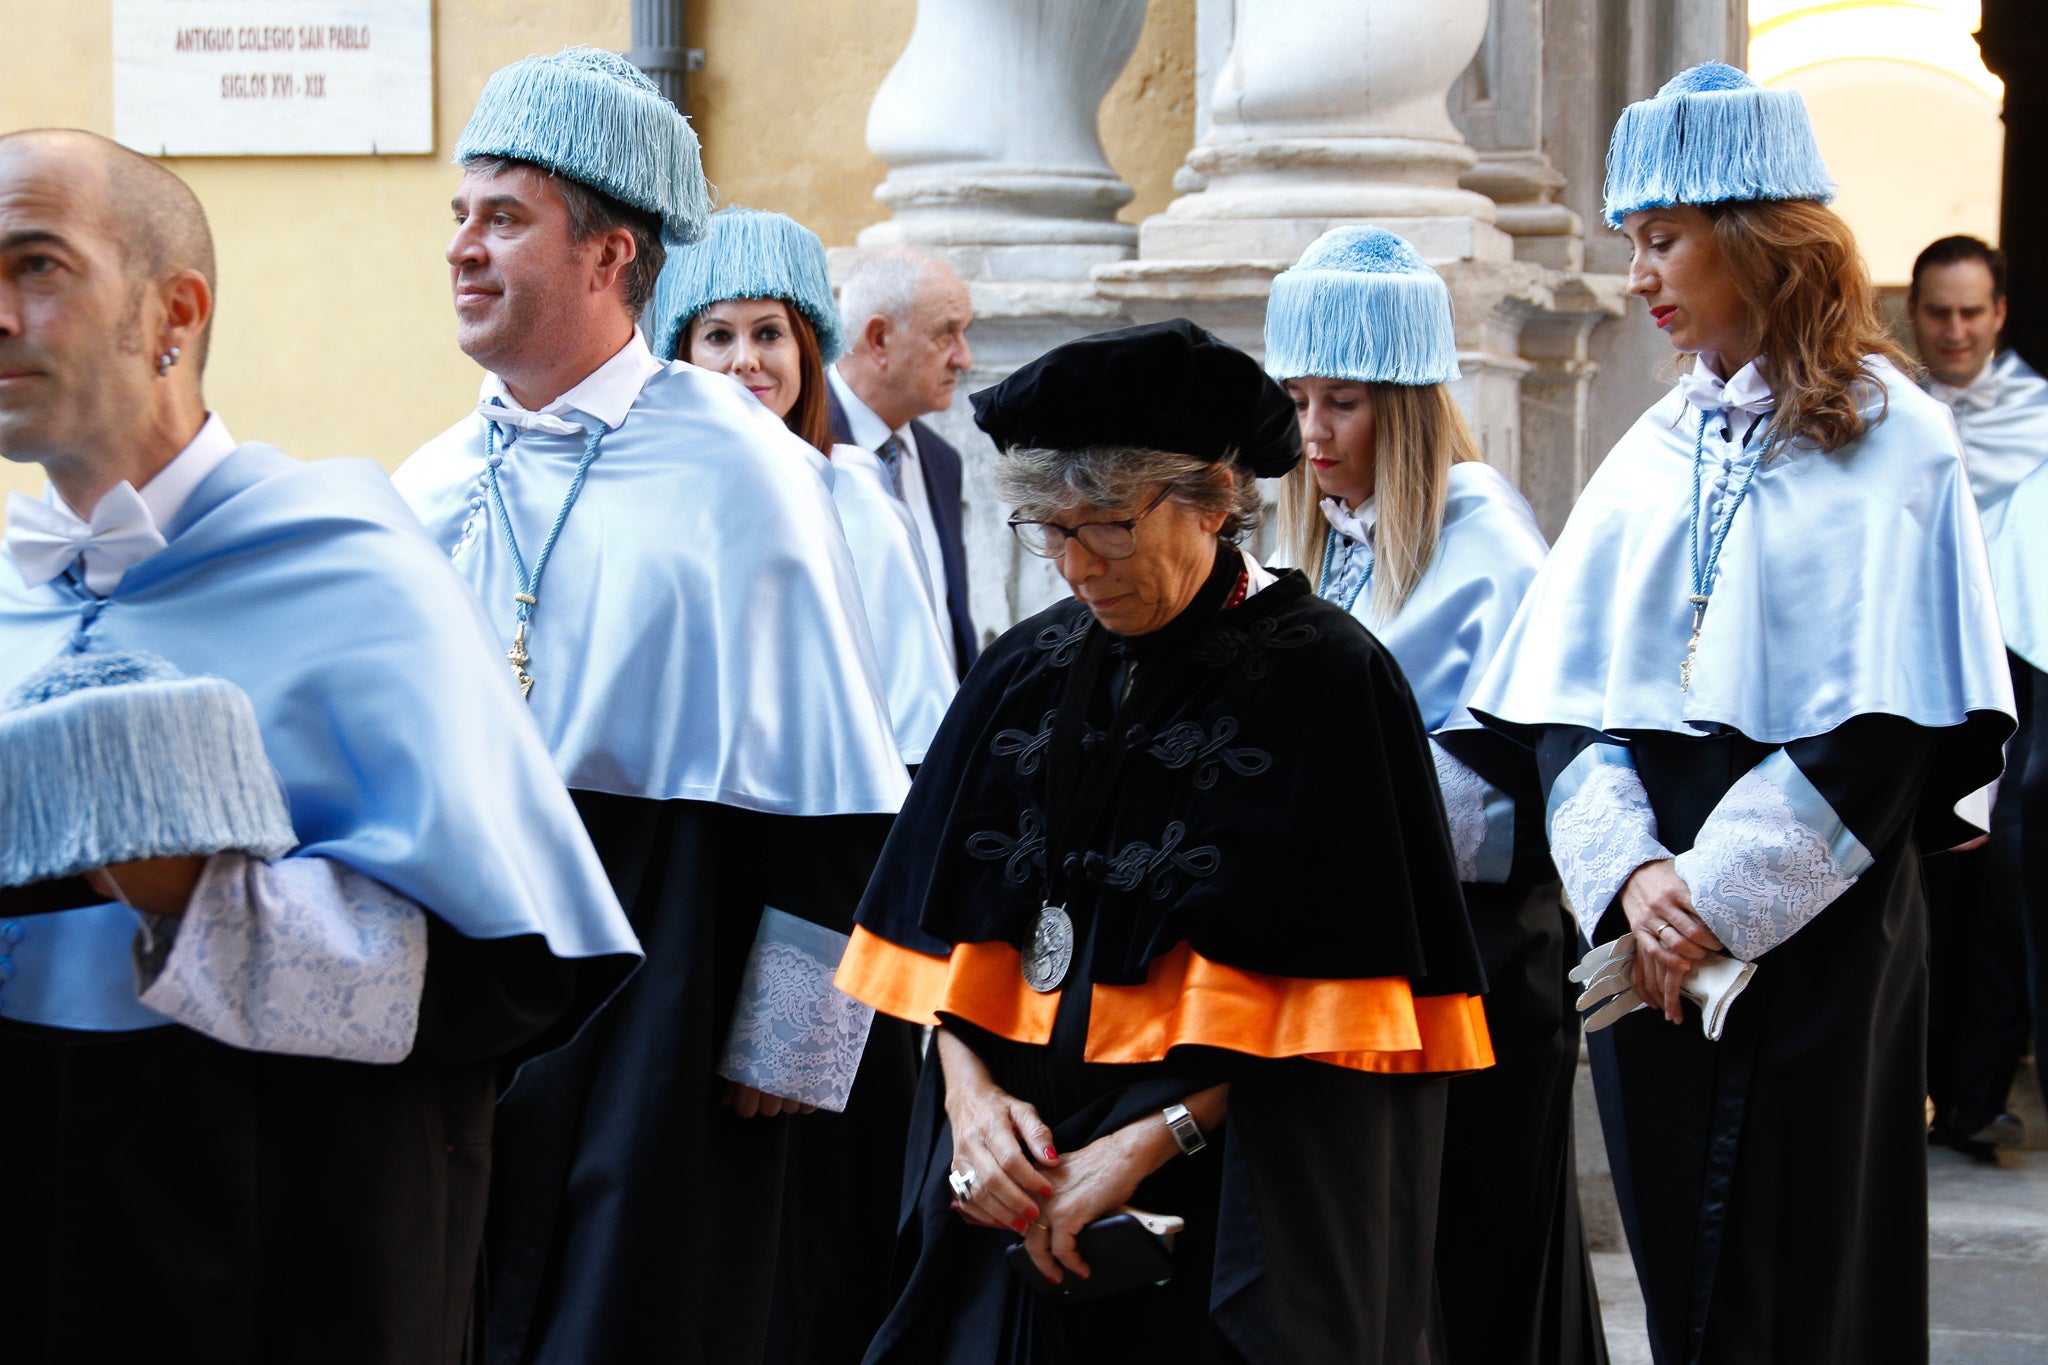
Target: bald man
x,y
249,1099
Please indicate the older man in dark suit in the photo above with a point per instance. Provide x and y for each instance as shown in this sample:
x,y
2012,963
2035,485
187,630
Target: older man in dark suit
x,y
906,315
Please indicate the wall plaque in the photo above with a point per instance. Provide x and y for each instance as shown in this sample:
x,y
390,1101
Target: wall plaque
x,y
274,77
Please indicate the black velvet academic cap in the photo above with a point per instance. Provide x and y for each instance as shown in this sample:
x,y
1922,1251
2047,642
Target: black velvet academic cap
x,y
1163,386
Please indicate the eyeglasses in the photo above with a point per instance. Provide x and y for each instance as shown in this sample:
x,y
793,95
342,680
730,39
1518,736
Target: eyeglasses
x,y
1104,539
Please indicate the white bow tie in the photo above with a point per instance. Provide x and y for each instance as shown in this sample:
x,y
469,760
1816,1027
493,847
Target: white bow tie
x,y
45,540
1746,392
507,414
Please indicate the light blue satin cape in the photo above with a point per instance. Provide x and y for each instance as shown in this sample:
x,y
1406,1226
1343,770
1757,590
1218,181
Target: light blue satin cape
x,y
382,699
1850,584
2007,448
1488,553
700,633
896,588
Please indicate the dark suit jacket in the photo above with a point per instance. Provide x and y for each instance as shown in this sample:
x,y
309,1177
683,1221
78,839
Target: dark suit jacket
x,y
940,464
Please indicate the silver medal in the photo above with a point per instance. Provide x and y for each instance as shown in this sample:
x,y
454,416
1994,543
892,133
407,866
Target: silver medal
x,y
1051,951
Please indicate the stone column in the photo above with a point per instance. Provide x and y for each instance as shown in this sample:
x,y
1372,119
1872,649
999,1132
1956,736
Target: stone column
x,y
988,123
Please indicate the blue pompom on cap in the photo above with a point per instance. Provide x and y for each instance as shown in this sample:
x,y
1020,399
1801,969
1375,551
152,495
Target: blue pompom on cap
x,y
594,117
1361,304
108,758
1712,135
746,254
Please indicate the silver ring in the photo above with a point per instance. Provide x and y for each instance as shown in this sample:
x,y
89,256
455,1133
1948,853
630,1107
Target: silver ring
x,y
962,1181
1661,931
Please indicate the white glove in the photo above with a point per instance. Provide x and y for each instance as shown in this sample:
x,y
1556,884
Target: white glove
x,y
1712,984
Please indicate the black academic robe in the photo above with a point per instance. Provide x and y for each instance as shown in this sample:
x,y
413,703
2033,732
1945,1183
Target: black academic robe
x,y
634,1218
172,1198
1311,1213
2027,764
1773,1184
1513,1272
1979,913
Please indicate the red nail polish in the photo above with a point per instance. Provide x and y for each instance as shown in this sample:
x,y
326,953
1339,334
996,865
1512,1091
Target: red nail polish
x,y
1045,1193
1019,1224
1051,1155
1031,1214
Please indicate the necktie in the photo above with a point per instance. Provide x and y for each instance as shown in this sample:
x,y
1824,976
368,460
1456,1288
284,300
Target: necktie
x,y
891,453
509,415
45,541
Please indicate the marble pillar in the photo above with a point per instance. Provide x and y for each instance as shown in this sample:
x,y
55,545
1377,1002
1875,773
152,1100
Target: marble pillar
x,y
988,124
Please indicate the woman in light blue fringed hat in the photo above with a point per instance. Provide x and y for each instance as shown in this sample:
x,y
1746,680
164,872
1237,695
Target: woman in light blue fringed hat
x,y
1759,671
1396,517
753,300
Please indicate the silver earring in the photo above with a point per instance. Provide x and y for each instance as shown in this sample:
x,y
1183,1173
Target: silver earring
x,y
166,360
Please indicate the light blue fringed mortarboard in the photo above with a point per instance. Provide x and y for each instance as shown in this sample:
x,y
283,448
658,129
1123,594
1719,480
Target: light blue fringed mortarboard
x,y
1713,136
1361,304
106,758
746,254
594,117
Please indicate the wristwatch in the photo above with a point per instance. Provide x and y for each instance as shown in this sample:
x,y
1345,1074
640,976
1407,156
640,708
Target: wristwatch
x,y
1187,1134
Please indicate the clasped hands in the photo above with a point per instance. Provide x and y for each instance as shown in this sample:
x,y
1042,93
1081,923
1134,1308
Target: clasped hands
x,y
1668,941
1022,1182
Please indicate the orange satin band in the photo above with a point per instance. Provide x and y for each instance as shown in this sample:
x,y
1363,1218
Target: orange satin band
x,y
982,983
1370,1024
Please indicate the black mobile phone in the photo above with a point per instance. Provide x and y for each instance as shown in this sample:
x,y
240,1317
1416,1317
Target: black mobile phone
x,y
1121,1252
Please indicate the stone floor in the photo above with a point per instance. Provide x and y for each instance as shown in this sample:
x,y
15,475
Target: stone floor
x,y
1987,1247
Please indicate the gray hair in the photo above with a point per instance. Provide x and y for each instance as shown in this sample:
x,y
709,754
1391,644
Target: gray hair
x,y
884,284
1046,485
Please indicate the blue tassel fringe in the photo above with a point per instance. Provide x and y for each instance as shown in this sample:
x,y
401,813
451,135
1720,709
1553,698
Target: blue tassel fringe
x,y
594,117
111,758
1363,305
1713,136
746,254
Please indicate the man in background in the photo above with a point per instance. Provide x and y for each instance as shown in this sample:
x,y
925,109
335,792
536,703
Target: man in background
x,y
906,315
1983,929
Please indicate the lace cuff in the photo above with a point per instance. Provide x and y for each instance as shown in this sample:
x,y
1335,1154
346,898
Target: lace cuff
x,y
303,956
1771,856
793,1033
1601,830
1482,819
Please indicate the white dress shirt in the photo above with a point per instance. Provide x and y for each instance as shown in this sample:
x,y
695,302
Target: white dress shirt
x,y
606,393
868,431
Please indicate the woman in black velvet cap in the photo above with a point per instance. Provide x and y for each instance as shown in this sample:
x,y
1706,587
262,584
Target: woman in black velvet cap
x,y
1126,888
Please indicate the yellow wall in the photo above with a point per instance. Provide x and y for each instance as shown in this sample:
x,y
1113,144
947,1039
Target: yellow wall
x,y
335,334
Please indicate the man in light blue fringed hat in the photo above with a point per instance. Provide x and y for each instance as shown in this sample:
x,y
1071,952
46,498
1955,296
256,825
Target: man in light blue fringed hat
x,y
1394,516
667,575
287,881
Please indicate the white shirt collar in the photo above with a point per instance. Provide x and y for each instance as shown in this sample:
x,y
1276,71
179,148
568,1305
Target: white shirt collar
x,y
863,427
1979,395
1747,391
606,393
169,488
1359,524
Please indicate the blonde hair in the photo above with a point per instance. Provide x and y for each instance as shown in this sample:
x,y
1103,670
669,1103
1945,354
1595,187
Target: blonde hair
x,y
1813,314
1418,434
